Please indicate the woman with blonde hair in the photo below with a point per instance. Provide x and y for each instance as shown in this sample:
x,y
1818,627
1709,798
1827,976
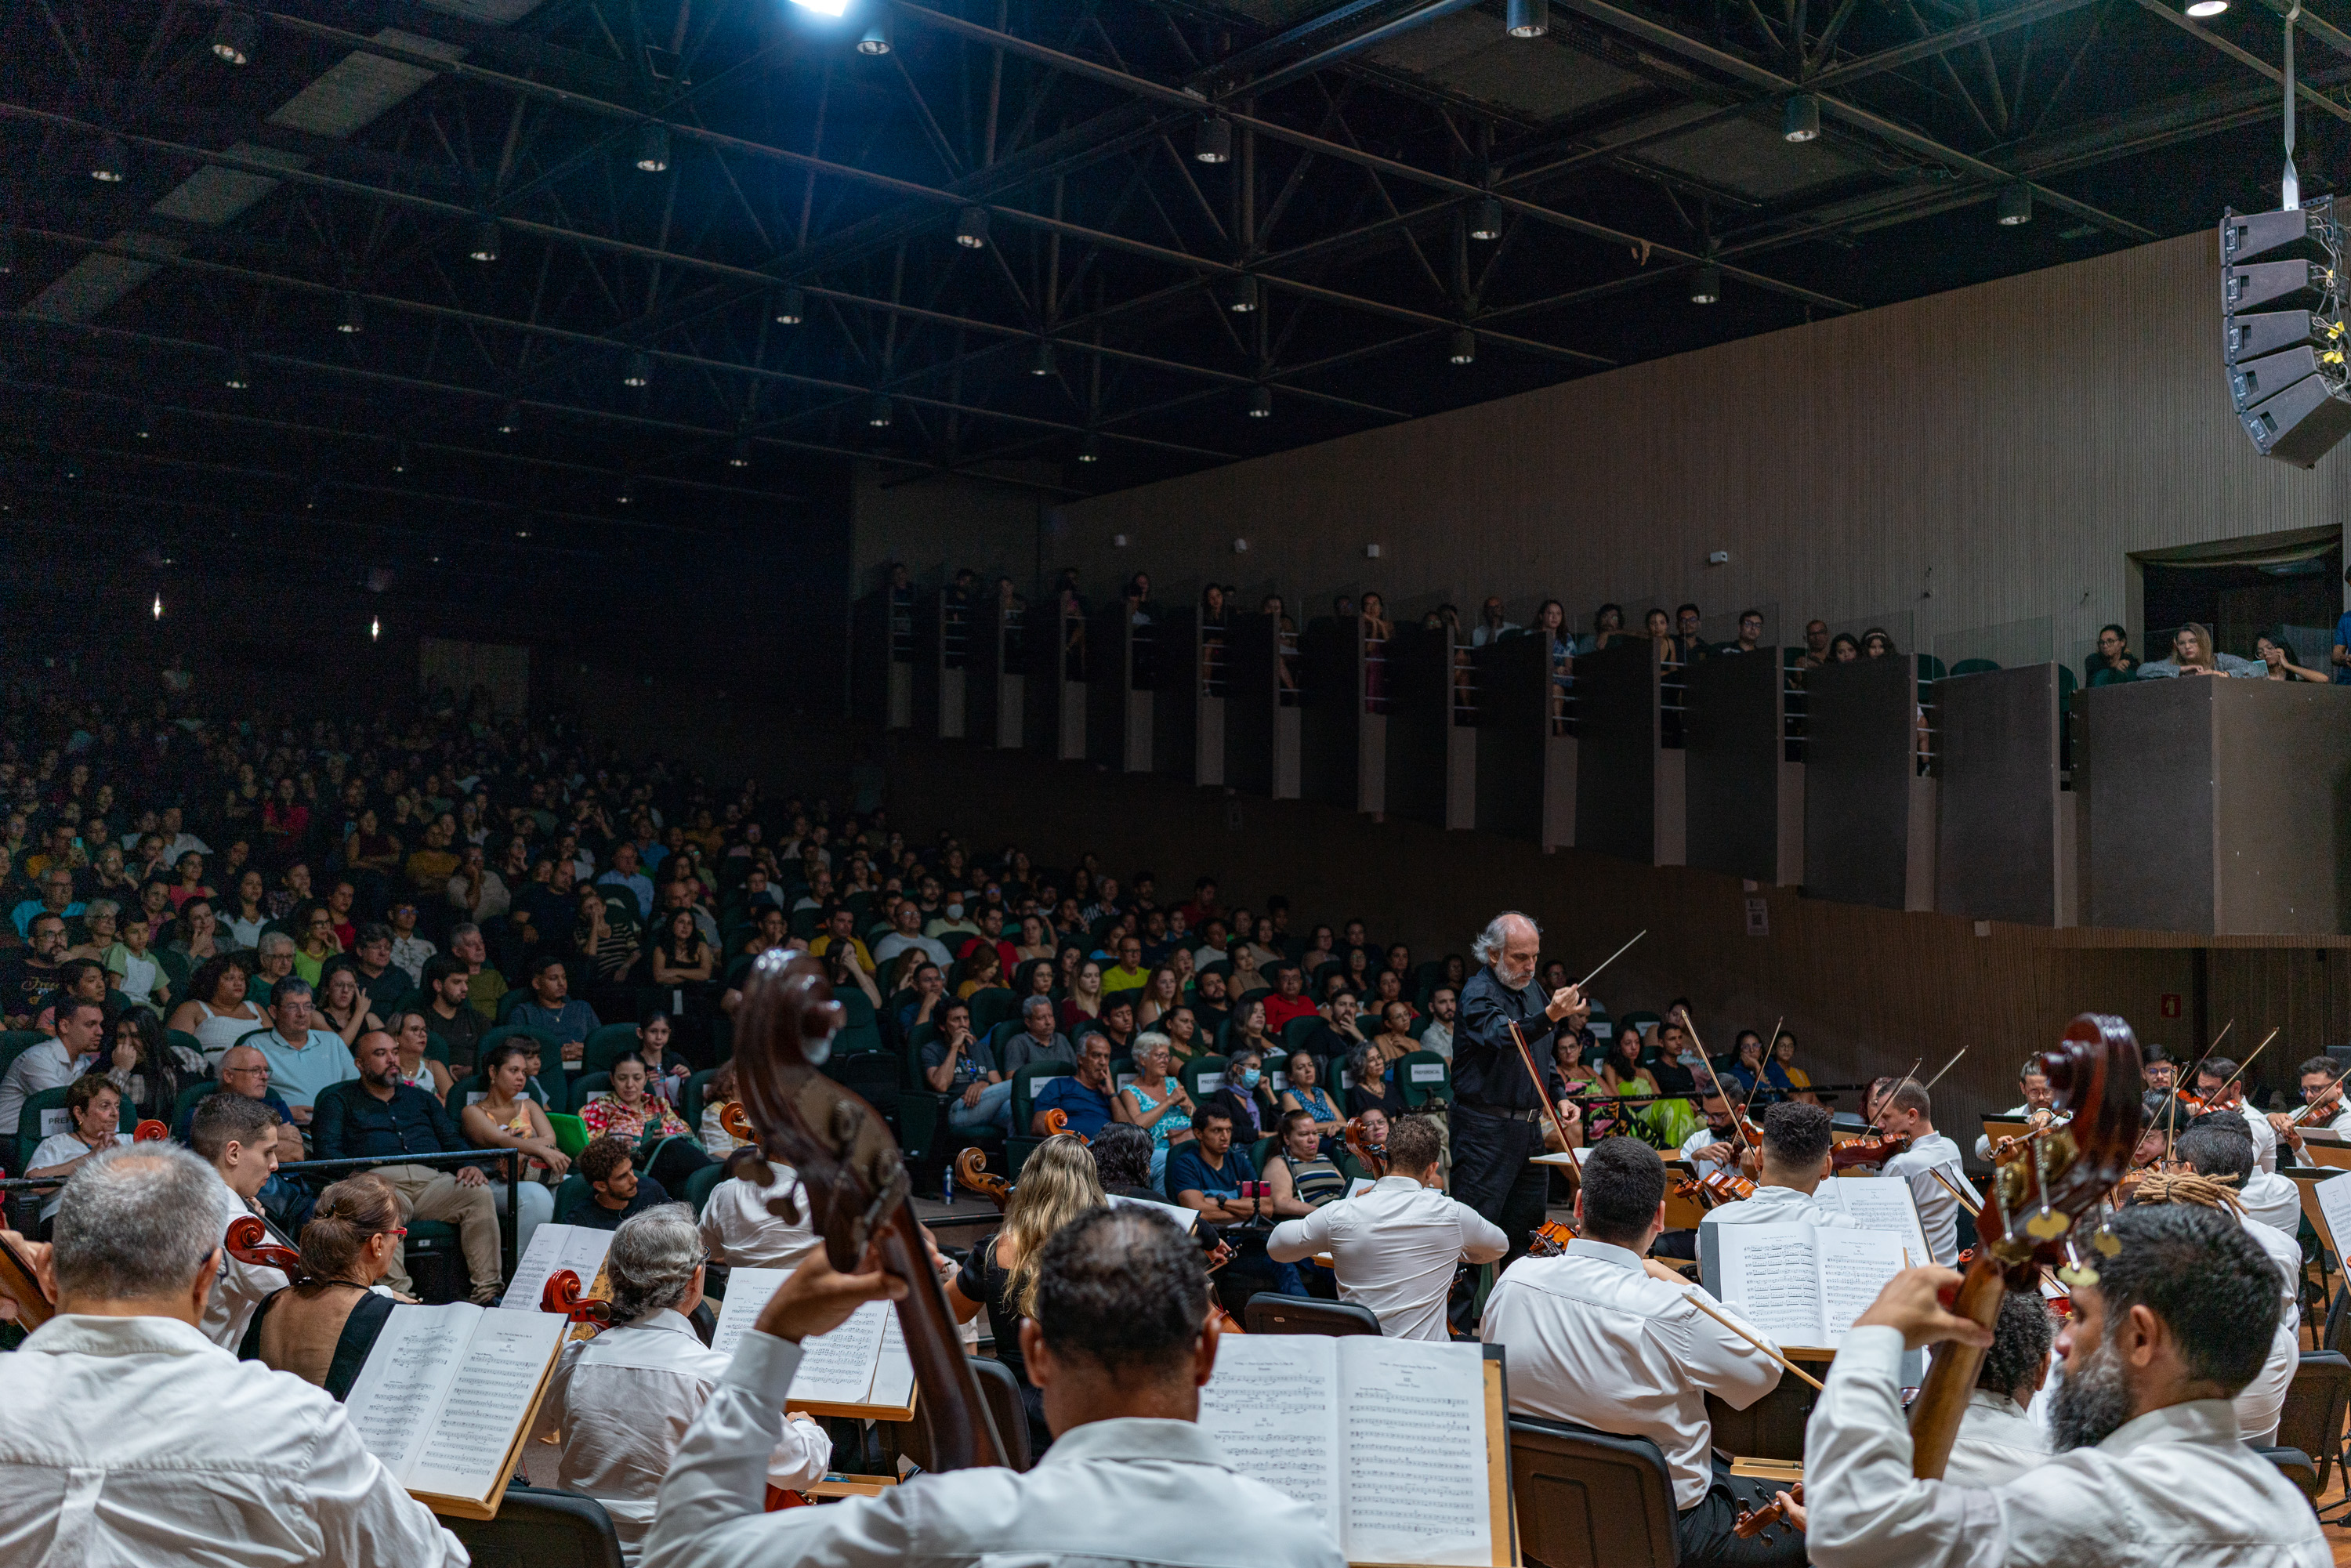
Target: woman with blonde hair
x,y
321,1327
1058,1184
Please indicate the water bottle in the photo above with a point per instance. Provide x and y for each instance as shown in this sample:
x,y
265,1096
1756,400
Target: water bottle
x,y
946,1184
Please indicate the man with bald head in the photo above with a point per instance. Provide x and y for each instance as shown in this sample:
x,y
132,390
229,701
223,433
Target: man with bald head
x,y
1497,1117
377,1117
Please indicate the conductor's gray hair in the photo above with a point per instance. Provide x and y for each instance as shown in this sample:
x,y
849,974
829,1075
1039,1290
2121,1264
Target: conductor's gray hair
x,y
135,1222
653,1260
1489,945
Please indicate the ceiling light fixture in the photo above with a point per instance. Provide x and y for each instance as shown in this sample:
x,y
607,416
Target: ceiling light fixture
x,y
111,165
1528,18
354,317
1260,404
652,147
7,250
1041,363
375,628
790,308
2207,7
1800,121
399,457
2015,205
877,414
1214,141
1707,288
823,7
1090,449
627,491
510,418
875,39
240,370
1488,224
73,470
971,228
159,607
1465,345
1243,298
486,240
235,35
638,369
147,422
740,457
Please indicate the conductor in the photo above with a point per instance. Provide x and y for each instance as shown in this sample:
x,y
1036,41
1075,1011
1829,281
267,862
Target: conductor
x,y
1498,1116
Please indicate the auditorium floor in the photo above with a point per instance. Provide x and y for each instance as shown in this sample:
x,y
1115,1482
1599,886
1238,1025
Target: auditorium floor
x,y
2331,1504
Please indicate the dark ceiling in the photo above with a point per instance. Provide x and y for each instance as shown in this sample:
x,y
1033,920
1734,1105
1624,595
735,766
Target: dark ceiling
x,y
343,176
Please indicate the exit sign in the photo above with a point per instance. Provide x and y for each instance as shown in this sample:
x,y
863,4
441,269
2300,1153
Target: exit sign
x,y
2170,1005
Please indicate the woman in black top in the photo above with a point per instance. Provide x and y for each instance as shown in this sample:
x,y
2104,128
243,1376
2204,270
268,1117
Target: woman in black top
x,y
1058,1182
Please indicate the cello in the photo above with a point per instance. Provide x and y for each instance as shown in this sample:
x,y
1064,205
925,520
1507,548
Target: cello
x,y
856,1186
2033,1214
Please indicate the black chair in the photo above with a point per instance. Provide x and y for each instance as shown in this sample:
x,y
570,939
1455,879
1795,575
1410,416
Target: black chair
x,y
538,1527
2295,1466
1269,1312
1000,1386
1587,1499
2315,1402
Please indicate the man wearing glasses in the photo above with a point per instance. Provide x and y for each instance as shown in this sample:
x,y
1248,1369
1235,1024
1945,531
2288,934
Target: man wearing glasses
x,y
56,898
245,1070
2323,1105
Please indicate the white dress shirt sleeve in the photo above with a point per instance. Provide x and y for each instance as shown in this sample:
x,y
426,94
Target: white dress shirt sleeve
x,y
364,1516
1302,1237
1717,1359
1863,1508
1482,1241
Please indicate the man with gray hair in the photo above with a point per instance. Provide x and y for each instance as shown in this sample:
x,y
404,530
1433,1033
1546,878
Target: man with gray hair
x,y
621,1402
1037,1041
127,1437
1497,1116
304,1061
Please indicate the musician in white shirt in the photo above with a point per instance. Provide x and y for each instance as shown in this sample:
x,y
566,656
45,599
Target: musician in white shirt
x,y
2216,1074
2148,1464
738,1226
2321,1106
1999,1439
621,1401
1717,1145
1395,1246
1796,1153
1605,1336
239,1138
2215,1148
1119,1345
1906,1112
2038,1096
128,1437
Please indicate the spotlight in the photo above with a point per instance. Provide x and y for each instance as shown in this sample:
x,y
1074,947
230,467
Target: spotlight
x,y
740,457
2015,205
399,457
823,7
310,496
510,418
147,422
2207,7
235,35
875,39
1041,364
1262,403
1800,121
971,228
1528,18
354,317
1242,296
159,607
375,628
652,147
1707,288
72,470
639,371
877,414
112,166
627,492
1213,142
1488,224
486,240
790,308
1090,449
240,370
1465,345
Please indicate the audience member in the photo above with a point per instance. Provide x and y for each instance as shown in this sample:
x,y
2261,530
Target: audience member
x,y
507,1117
54,1062
1085,1096
627,1110
1037,1041
94,1106
615,1190
1156,1103
1212,1177
1246,1097
217,1010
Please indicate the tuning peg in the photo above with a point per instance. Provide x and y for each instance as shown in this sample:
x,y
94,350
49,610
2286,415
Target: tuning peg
x,y
2046,1224
2107,1243
2075,1271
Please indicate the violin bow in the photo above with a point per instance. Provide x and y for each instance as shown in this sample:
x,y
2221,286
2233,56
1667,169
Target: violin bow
x,y
2295,1120
1946,1068
2179,1078
1543,1093
1725,1320
2247,1062
1739,1123
1974,1206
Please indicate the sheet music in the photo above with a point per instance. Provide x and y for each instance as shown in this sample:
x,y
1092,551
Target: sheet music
x,y
1184,1218
2334,1196
1770,1274
1271,1405
465,1452
747,1290
1881,1203
578,1248
1853,1267
1417,1486
893,1377
838,1368
396,1395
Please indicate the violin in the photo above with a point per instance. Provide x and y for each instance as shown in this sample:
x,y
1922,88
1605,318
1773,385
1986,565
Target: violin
x,y
150,1130
737,1121
973,1175
247,1241
1550,1238
20,1281
562,1296
1753,1521
1056,1125
1219,1319
857,1190
1372,1159
1871,1151
2033,1214
2042,1123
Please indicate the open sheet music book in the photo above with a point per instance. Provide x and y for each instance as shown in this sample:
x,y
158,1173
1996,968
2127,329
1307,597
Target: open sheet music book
x,y
1394,1442
578,1248
448,1393
860,1368
1879,1202
1803,1284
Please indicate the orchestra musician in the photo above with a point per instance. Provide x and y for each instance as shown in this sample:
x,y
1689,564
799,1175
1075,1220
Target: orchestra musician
x,y
1497,1115
1906,1112
2147,1453
1606,1337
2219,1086
2323,1105
1796,1162
1120,1345
2039,1101
239,1138
126,1436
1718,1144
2159,1070
1999,1439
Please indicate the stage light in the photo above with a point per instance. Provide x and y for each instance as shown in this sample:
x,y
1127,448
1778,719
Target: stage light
x,y
111,165
740,457
1707,288
375,628
877,414
159,607
240,370
1528,18
1041,363
790,308
399,457
823,7
2015,205
1465,345
1242,298
486,240
1801,120
147,422
639,371
652,147
354,317
1213,142
627,492
235,35
875,39
1260,404
2207,7
72,470
971,228
1488,224
510,418
1090,449
7,250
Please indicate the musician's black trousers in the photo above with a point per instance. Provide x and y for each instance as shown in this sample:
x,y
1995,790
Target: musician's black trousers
x,y
1493,1172
1707,1538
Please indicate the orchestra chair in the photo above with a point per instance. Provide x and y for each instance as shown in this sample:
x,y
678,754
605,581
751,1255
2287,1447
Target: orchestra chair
x,y
1587,1499
1269,1311
2316,1403
540,1527
999,1390
2294,1466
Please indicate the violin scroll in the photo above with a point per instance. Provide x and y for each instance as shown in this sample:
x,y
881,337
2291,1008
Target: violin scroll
x,y
562,1296
1753,1521
150,1130
973,1175
247,1241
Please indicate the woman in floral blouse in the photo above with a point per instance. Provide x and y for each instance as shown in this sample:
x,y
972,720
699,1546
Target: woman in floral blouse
x,y
627,1110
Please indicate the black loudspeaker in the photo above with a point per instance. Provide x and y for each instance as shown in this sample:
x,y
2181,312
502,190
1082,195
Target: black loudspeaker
x,y
2287,371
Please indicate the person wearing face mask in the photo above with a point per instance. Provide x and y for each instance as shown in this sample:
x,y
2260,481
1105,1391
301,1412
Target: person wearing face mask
x,y
1247,1096
1497,1119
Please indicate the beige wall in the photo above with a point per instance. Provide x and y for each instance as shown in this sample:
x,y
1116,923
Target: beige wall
x,y
935,526
2002,446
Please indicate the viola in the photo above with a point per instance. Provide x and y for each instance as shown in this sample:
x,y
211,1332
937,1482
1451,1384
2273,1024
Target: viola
x,y
973,1175
247,1241
1371,1158
2034,1213
1872,1151
1753,1521
562,1296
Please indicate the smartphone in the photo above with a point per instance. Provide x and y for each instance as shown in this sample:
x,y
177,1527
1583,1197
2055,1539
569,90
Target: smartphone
x,y
1257,1189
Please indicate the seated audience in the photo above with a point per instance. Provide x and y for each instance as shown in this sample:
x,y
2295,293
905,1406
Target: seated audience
x,y
413,1035
1288,1001
961,1064
1997,1439
1209,1173
218,1011
1374,1085
1246,1097
321,1327
665,1075
304,1060
740,1225
1057,1183
2276,656
1303,1179
623,1402
2193,654
54,1062
94,1106
1304,1092
507,1117
615,1190
1085,1096
1156,1103
151,1073
627,1110
2113,660
1037,1040
553,1007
